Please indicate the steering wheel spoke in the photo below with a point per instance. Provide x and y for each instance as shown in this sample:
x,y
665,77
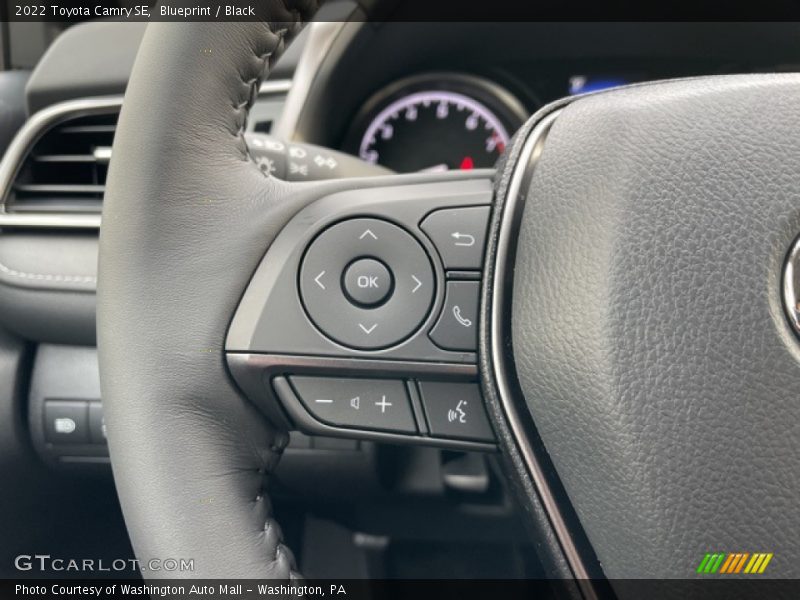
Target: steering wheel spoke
x,y
361,320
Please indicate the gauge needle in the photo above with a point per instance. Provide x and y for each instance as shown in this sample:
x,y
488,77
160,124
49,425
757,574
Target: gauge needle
x,y
435,168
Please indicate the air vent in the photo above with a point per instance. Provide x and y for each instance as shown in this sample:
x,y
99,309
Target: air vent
x,y
65,170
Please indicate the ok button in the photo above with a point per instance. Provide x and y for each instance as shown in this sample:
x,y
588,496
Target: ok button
x,y
367,282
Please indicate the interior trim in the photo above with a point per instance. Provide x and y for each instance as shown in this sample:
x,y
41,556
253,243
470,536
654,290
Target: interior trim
x,y
42,121
499,365
33,129
321,36
791,301
277,86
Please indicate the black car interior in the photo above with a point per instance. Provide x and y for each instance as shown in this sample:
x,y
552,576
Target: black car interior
x,y
352,276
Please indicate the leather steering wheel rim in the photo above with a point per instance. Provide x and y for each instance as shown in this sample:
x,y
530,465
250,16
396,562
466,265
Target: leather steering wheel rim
x,y
187,216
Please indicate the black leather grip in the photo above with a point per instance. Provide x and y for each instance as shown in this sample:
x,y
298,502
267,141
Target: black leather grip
x,y
187,216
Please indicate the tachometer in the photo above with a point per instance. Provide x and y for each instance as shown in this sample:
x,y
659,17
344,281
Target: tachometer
x,y
435,123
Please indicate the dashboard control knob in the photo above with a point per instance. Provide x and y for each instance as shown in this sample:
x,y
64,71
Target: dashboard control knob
x,y
305,162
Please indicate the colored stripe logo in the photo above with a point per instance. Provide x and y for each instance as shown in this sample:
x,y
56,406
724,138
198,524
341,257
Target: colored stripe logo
x,y
734,563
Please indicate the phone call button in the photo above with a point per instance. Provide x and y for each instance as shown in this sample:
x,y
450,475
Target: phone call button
x,y
457,326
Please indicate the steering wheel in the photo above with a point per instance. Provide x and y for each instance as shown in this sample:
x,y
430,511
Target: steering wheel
x,y
639,374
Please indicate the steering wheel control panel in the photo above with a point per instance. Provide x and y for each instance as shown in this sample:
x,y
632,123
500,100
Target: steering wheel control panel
x,y
366,283
445,410
361,320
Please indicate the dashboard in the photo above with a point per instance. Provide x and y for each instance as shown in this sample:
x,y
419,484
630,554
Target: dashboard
x,y
454,98
436,122
449,120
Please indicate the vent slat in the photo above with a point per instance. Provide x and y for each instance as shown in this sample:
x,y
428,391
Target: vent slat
x,y
89,129
66,169
65,158
50,188
50,204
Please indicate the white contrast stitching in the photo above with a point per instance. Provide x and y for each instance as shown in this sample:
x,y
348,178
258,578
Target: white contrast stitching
x,y
45,277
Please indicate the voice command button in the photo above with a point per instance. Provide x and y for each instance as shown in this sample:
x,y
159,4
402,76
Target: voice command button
x,y
455,410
